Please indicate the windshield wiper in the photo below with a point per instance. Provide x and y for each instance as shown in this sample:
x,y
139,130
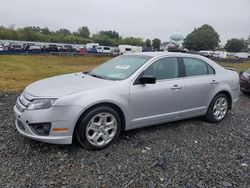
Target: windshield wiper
x,y
97,76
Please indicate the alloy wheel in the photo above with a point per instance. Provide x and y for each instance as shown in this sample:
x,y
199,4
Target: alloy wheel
x,y
101,129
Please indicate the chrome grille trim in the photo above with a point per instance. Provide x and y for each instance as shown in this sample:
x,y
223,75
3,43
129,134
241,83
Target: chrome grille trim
x,y
23,101
19,106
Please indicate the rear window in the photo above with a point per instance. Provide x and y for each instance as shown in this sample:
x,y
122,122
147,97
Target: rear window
x,y
196,67
106,48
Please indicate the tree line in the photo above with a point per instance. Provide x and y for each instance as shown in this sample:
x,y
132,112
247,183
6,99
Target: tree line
x,y
81,36
202,38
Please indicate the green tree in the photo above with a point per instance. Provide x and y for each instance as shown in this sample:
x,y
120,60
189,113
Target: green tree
x,y
235,45
83,32
248,40
103,40
156,43
133,41
148,43
203,38
110,34
45,31
63,31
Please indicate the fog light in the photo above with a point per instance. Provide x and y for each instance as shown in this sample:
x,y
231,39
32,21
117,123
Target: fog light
x,y
42,129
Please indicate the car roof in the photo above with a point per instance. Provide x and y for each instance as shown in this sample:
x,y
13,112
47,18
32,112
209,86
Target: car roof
x,y
160,54
155,55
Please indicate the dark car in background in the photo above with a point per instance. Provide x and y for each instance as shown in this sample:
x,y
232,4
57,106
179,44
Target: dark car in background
x,y
67,48
52,48
245,81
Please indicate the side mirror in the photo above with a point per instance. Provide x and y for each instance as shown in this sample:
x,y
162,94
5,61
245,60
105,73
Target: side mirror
x,y
148,79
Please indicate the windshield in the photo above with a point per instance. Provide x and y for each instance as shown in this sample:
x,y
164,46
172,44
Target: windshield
x,y
120,68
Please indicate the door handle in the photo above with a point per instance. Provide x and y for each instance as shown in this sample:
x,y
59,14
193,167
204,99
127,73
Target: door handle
x,y
214,82
176,87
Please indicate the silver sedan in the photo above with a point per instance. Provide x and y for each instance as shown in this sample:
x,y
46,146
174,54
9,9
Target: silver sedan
x,y
127,92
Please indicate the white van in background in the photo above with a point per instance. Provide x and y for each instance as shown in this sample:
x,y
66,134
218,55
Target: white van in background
x,y
104,49
220,54
241,55
129,49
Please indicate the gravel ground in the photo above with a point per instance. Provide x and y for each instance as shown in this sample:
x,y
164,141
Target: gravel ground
x,y
190,153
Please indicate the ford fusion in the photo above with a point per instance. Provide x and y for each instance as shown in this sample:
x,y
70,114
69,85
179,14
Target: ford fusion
x,y
127,92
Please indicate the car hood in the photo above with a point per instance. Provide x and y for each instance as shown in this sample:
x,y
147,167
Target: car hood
x,y
66,84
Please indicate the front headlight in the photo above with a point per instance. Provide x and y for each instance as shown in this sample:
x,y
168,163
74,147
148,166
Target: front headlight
x,y
37,104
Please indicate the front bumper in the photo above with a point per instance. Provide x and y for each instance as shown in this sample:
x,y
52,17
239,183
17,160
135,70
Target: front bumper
x,y
63,117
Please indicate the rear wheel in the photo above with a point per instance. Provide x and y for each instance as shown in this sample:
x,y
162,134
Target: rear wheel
x,y
218,108
99,128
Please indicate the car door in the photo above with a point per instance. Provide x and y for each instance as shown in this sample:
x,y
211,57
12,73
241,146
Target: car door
x,y
159,102
199,82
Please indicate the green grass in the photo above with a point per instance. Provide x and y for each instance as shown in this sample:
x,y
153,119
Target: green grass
x,y
238,66
18,71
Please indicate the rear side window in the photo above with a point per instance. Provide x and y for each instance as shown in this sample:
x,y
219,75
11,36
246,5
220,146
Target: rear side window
x,y
196,67
166,68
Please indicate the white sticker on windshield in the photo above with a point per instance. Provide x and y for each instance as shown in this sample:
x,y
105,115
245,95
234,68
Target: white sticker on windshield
x,y
124,67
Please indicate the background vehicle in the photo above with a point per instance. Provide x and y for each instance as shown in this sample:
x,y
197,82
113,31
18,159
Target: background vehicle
x,y
67,48
104,49
92,47
241,55
245,82
16,47
115,51
83,51
35,48
127,92
129,49
26,46
52,48
1,47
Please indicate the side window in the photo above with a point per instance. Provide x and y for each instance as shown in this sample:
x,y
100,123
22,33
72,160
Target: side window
x,y
165,68
195,67
210,70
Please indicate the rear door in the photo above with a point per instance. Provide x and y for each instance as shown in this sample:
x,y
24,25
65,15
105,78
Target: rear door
x,y
199,82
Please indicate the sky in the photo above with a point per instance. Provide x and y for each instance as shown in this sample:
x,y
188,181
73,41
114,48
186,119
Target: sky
x,y
137,18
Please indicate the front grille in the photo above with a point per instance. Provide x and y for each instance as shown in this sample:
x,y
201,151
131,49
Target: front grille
x,y
20,125
19,107
23,101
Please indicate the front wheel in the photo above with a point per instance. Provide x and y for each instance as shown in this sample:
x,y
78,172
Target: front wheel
x,y
99,128
218,108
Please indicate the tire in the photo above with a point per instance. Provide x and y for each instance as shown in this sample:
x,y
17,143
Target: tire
x,y
99,128
216,114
